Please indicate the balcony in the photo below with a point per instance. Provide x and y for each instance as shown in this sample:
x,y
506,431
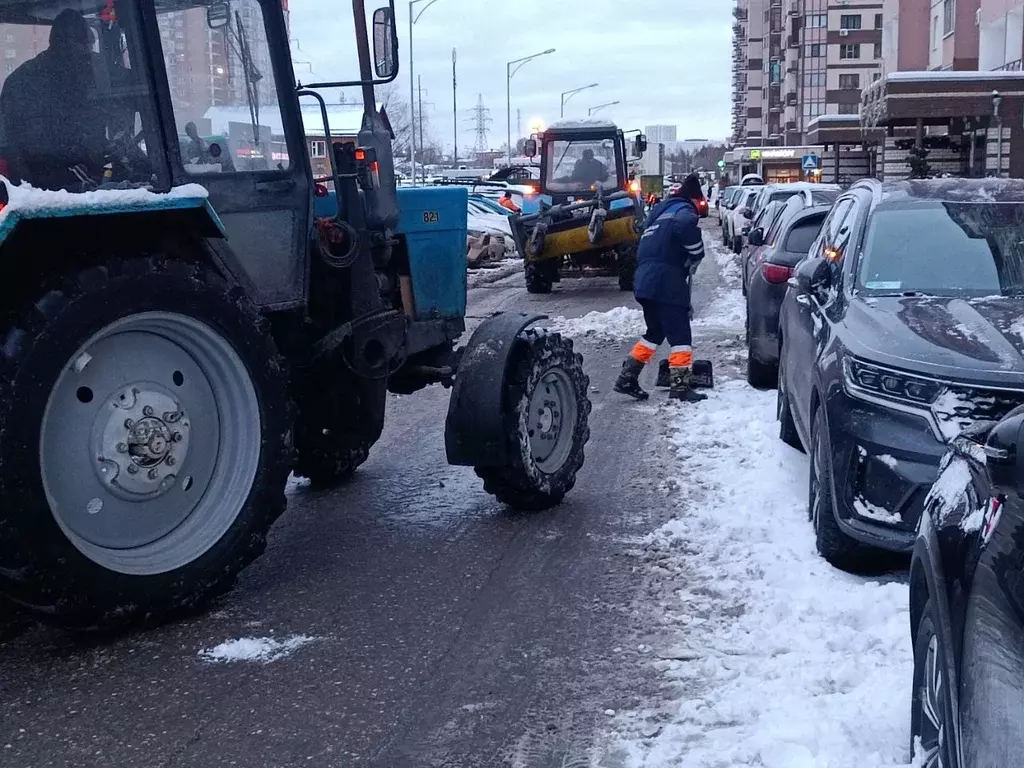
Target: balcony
x,y
790,99
793,67
1013,66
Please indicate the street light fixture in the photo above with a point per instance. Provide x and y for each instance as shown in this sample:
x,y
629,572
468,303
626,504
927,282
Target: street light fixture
x,y
509,72
569,94
594,110
413,18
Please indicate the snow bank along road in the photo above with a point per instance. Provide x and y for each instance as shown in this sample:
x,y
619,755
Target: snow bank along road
x,y
671,613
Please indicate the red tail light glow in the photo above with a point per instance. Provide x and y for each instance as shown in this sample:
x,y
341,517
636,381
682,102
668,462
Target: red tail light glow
x,y
776,273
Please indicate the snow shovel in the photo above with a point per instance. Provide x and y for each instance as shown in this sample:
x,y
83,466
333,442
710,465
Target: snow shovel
x,y
703,374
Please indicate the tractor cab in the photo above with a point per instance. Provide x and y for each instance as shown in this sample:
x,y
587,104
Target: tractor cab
x,y
582,160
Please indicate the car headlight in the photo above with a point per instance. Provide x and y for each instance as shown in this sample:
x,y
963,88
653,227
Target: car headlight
x,y
861,377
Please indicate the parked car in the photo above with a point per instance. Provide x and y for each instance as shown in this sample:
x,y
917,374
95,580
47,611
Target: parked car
x,y
759,228
811,194
740,217
967,603
902,327
729,200
769,269
751,180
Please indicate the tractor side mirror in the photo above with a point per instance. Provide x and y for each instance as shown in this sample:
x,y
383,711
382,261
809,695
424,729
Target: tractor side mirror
x,y
756,237
530,148
639,145
218,15
813,276
385,45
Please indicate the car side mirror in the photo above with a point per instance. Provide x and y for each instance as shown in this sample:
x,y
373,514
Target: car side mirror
x,y
747,212
385,44
639,145
756,237
218,15
530,148
813,276
1003,458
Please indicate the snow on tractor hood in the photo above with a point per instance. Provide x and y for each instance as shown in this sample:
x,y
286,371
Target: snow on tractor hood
x,y
27,202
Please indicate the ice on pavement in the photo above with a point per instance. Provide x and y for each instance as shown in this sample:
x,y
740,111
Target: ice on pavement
x,y
618,323
791,662
261,649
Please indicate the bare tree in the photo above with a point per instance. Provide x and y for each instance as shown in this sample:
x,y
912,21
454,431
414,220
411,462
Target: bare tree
x,y
390,98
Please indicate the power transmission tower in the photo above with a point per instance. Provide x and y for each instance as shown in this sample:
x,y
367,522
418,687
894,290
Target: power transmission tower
x,y
481,119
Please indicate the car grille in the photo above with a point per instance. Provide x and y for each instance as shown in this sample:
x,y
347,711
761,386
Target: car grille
x,y
958,408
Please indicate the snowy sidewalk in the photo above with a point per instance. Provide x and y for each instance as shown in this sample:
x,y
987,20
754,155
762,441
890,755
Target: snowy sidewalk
x,y
771,656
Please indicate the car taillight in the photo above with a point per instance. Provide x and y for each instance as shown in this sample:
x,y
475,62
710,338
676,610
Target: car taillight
x,y
776,273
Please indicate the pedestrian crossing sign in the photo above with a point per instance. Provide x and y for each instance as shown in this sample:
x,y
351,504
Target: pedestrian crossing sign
x,y
810,162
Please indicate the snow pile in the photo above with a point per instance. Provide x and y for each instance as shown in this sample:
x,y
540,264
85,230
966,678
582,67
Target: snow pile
x,y
618,323
24,198
493,272
779,659
261,649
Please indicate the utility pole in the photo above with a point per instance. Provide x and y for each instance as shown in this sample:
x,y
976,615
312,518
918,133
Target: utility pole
x,y
419,86
455,112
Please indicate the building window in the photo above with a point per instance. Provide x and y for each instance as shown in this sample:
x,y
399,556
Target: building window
x,y
318,149
814,108
876,76
817,21
878,21
878,50
948,16
10,53
849,109
849,51
935,33
849,82
849,21
813,79
814,50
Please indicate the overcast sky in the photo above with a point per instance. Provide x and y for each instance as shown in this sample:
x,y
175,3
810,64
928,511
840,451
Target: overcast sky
x,y
666,61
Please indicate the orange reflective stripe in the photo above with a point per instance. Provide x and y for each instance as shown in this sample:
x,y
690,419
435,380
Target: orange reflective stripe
x,y
643,352
680,359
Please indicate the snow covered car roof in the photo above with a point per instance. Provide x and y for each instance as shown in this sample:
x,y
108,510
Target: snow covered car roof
x,y
956,190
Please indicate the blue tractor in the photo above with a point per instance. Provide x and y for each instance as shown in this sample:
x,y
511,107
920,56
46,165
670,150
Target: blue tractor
x,y
177,335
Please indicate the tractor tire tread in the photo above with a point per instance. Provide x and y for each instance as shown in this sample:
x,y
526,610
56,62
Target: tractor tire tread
x,y
520,485
41,572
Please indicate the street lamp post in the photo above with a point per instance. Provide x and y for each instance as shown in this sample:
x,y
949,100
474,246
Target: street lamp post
x,y
413,18
509,72
594,110
569,94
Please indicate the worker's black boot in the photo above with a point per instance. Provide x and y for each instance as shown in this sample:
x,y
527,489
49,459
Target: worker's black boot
x,y
682,386
664,381
627,382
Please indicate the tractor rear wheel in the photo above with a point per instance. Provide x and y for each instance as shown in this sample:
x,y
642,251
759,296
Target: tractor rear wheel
x,y
146,443
546,412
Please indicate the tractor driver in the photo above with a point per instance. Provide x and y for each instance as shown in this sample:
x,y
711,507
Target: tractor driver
x,y
589,170
54,135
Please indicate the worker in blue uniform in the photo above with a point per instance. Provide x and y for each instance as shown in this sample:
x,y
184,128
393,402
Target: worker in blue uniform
x,y
671,248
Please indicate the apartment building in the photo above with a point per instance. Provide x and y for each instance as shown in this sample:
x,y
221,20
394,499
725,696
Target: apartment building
x,y
803,58
1001,35
661,134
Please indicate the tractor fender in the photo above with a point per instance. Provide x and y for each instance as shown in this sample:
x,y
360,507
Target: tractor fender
x,y
474,434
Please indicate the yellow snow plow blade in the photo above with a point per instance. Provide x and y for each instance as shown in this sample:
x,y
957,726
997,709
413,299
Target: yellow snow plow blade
x,y
567,242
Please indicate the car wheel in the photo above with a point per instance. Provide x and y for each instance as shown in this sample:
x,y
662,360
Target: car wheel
x,y
930,707
760,375
834,545
787,427
737,244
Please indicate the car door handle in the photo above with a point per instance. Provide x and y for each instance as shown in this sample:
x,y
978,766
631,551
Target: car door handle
x,y
274,187
803,300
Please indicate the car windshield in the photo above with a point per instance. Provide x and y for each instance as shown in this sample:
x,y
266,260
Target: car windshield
x,y
74,103
945,249
824,196
782,196
581,165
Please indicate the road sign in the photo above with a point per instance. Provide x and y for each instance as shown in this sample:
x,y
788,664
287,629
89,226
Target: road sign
x,y
810,162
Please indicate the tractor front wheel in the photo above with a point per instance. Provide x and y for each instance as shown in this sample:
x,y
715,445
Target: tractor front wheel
x,y
539,278
546,413
146,443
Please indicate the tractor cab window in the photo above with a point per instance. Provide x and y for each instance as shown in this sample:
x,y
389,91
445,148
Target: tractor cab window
x,y
222,86
75,108
582,165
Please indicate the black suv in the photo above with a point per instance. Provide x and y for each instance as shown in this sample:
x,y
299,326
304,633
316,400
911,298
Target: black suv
x,y
902,327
